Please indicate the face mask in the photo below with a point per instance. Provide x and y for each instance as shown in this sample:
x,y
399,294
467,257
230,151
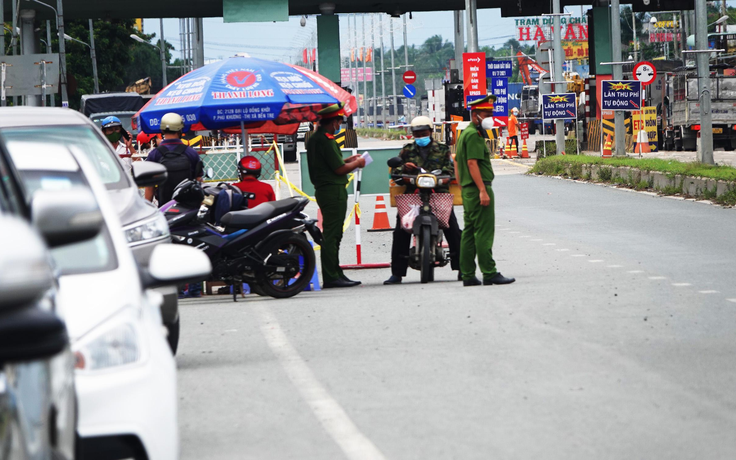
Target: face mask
x,y
337,131
422,141
487,123
114,137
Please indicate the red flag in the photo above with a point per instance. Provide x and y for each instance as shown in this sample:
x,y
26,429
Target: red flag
x,y
305,57
314,54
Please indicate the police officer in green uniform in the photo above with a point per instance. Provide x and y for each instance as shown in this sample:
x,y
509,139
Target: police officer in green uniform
x,y
328,173
428,154
475,175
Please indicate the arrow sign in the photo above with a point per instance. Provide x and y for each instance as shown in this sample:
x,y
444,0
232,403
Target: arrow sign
x,y
410,91
410,77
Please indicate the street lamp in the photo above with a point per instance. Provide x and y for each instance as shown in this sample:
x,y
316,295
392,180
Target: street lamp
x,y
161,54
92,55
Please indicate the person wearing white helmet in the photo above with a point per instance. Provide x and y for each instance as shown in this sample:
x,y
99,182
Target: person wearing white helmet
x,y
181,161
428,154
513,127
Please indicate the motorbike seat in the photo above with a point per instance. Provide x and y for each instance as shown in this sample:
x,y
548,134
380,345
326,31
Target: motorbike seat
x,y
253,217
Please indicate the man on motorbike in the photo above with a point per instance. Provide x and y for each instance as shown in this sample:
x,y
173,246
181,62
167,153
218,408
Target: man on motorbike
x,y
113,129
475,176
249,170
428,154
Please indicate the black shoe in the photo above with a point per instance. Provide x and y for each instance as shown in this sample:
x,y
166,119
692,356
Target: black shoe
x,y
340,283
459,275
393,280
472,282
498,279
345,278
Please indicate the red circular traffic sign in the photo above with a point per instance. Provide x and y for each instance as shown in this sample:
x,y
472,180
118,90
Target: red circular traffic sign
x,y
410,76
645,73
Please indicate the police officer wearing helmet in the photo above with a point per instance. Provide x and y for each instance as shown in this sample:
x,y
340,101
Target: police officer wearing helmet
x,y
249,170
113,129
428,154
181,161
328,173
475,176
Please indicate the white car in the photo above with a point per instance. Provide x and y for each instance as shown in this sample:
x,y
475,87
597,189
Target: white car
x,y
125,374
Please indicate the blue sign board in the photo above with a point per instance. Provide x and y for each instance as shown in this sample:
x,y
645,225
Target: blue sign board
x,y
620,95
410,91
500,89
498,69
559,107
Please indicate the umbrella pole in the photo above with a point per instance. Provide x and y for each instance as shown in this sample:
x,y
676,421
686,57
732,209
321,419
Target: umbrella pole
x,y
244,138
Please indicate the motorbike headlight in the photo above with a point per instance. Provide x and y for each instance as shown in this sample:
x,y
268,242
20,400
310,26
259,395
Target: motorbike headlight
x,y
117,342
154,228
426,182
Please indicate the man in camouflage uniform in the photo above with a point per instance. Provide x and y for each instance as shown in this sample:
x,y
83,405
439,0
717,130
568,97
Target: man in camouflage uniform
x,y
430,155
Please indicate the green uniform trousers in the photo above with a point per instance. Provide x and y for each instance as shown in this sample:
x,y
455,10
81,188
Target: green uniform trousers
x,y
480,228
333,202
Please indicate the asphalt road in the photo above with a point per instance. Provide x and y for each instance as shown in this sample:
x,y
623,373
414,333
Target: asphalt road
x,y
616,342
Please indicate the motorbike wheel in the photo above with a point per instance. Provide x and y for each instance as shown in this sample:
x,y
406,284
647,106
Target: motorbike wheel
x,y
426,265
300,252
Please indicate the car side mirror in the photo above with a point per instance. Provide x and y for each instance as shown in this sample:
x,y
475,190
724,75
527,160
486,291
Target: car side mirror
x,y
65,217
148,173
24,264
30,334
175,264
395,162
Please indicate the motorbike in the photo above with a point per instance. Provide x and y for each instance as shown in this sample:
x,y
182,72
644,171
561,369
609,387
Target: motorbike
x,y
265,246
426,251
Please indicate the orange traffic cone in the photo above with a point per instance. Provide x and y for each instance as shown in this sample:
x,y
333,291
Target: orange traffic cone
x,y
513,153
642,143
524,150
380,217
607,148
319,219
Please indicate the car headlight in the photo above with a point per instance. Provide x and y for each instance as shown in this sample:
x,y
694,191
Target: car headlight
x,y
151,229
117,342
426,182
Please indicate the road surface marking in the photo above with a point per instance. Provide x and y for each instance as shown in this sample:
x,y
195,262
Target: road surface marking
x,y
681,284
657,277
732,300
524,236
595,261
578,255
514,163
333,418
708,292
537,239
635,271
562,250
614,266
549,244
513,233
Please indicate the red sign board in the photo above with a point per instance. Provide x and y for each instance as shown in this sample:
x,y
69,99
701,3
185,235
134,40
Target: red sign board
x,y
524,131
474,76
410,77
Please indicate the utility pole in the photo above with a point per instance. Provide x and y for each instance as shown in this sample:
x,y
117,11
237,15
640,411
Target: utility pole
x,y
354,75
459,38
373,69
636,42
3,102
618,116
62,54
94,56
557,37
684,27
163,55
365,79
471,18
705,149
406,68
393,74
383,75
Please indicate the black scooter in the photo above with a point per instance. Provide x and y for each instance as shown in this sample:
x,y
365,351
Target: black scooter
x,y
426,252
265,246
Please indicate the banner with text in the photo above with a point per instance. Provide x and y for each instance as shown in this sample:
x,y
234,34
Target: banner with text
x,y
500,89
346,76
474,76
646,120
559,107
623,95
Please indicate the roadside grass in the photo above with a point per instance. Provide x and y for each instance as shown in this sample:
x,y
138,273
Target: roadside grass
x,y
558,165
572,166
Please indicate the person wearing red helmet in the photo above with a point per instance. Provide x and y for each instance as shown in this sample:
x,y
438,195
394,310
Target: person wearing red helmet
x,y
249,170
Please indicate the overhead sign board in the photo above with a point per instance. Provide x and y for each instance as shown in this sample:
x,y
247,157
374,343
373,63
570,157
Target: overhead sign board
x,y
621,95
645,73
474,76
559,107
500,89
497,69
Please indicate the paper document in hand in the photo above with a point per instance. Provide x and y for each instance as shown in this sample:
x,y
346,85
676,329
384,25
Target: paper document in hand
x,y
367,157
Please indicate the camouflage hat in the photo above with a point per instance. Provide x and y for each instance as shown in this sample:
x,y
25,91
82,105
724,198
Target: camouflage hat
x,y
332,111
483,104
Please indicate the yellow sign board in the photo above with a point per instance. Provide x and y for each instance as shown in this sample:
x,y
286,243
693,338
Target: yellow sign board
x,y
646,120
575,50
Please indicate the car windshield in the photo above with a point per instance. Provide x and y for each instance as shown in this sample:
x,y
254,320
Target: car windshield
x,y
91,256
84,137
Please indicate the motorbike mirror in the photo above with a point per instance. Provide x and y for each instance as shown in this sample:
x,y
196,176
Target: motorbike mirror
x,y
437,172
148,173
395,162
209,173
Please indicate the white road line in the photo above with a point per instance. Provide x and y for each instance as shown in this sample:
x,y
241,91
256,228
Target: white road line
x,y
657,277
681,284
732,300
595,261
635,271
333,418
708,292
577,255
614,266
